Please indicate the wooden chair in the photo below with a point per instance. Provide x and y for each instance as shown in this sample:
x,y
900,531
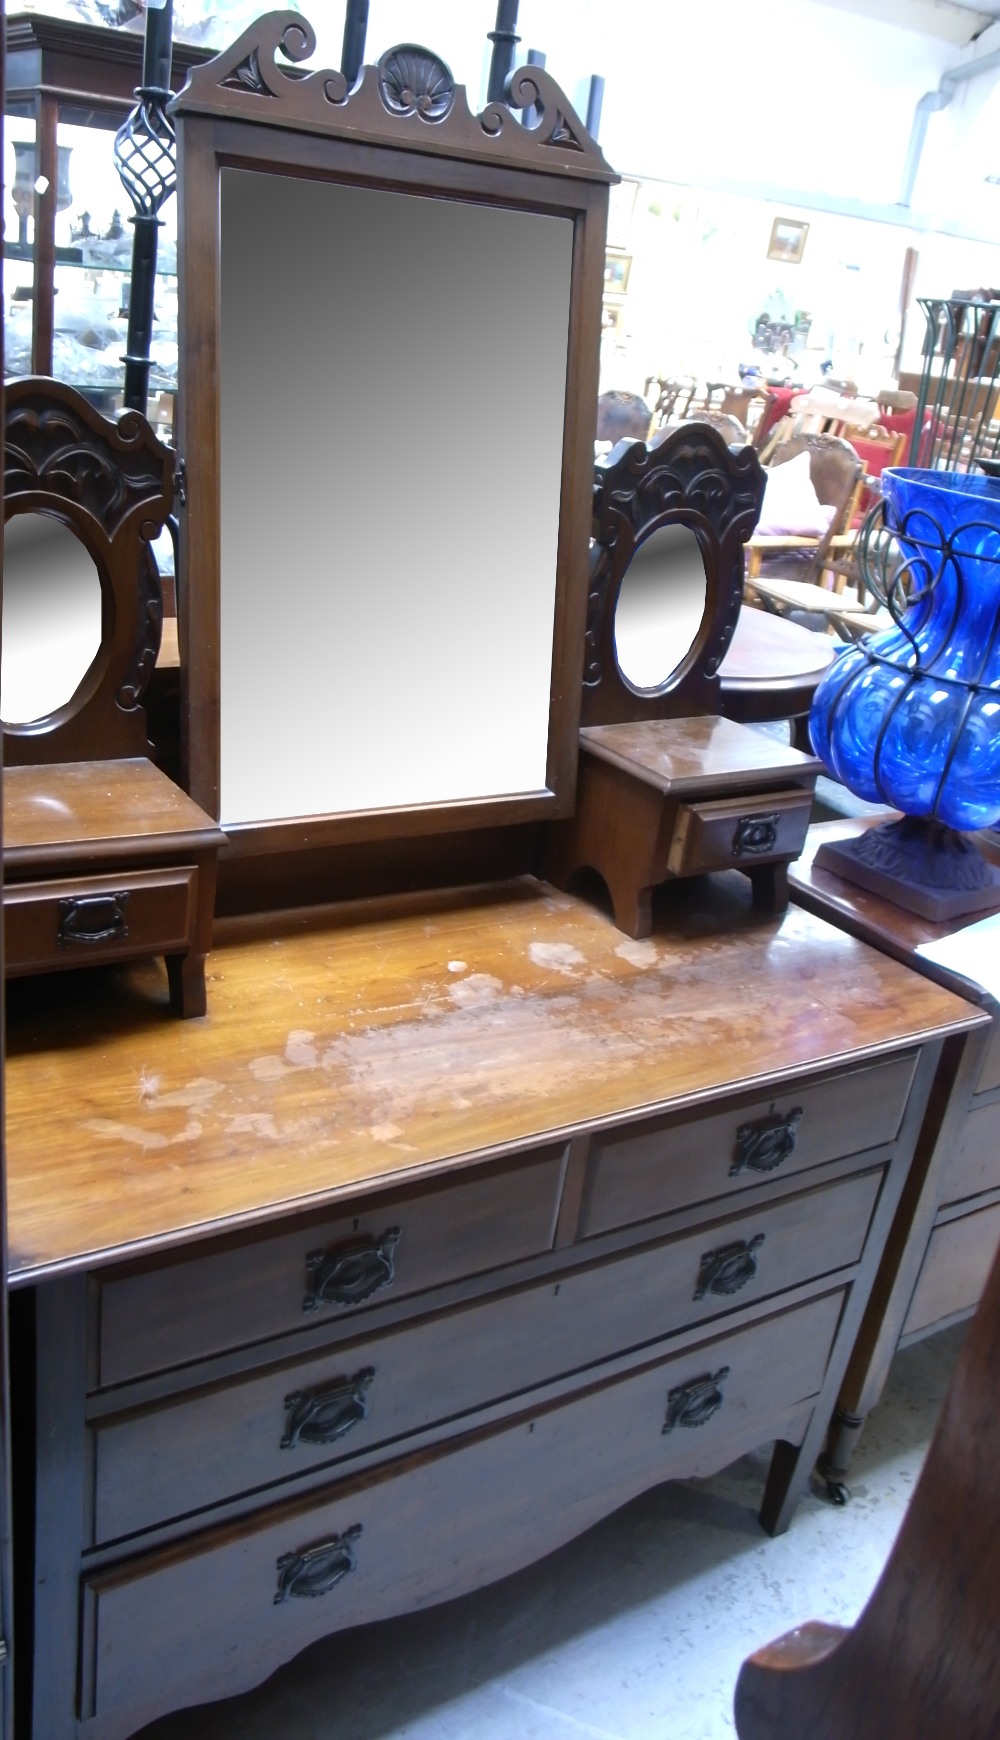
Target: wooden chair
x,y
781,565
622,417
733,432
922,1660
673,398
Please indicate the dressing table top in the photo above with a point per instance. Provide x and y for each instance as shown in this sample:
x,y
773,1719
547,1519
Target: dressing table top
x,y
346,1050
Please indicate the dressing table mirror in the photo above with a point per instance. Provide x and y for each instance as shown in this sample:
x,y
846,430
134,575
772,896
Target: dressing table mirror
x,y
105,859
389,337
668,789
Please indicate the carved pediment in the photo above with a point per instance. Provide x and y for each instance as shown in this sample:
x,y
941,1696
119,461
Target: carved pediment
x,y
408,100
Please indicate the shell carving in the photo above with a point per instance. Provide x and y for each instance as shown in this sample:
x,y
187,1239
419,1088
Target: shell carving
x,y
412,81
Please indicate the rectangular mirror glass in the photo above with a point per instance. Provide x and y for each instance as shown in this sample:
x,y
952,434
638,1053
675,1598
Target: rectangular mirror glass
x,y
389,501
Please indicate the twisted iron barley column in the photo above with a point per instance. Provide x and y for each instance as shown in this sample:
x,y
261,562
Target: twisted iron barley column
x,y
146,158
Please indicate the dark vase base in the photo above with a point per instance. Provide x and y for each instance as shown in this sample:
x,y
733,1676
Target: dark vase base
x,y
926,869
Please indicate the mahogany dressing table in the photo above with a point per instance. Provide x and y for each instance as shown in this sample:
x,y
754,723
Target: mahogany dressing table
x,y
460,1218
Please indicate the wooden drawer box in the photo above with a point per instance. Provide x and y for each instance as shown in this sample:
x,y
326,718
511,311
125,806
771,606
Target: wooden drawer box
x,y
974,1163
954,1269
163,1462
668,1164
86,920
185,1309
445,1522
735,832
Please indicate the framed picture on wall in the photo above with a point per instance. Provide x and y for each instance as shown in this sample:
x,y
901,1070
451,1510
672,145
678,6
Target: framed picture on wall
x,y
616,270
788,240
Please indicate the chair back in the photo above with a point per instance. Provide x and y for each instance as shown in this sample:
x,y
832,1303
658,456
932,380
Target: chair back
x,y
834,469
733,432
622,417
922,1659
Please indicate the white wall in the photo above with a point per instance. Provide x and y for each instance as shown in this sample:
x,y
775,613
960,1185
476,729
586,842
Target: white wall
x,y
781,97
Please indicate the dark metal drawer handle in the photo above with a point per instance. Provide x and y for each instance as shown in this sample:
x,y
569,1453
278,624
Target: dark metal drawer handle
x,y
728,1269
762,1146
323,1415
316,1570
754,835
694,1404
349,1273
92,918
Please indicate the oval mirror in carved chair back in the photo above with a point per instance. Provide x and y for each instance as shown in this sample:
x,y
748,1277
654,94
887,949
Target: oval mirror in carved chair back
x,y
51,618
660,607
102,491
686,480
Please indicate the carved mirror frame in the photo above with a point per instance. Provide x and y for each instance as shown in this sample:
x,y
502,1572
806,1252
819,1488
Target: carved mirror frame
x,y
112,485
404,127
684,477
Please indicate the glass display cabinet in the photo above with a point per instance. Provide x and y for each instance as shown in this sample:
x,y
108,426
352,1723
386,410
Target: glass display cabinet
x,y
68,240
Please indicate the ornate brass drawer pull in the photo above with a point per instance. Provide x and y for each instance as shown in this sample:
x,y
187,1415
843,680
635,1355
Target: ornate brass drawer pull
x,y
755,835
316,1570
329,1412
728,1269
762,1146
694,1404
92,918
351,1272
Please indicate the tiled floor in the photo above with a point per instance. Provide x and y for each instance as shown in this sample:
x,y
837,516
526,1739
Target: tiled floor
x,y
635,1631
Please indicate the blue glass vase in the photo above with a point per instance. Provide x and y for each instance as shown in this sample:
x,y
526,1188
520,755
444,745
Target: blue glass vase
x,y
911,717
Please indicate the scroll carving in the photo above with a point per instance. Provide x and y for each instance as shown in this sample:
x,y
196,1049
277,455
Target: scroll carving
x,y
108,469
409,100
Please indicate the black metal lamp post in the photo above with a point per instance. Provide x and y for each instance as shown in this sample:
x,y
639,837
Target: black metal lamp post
x,y
146,158
355,32
504,39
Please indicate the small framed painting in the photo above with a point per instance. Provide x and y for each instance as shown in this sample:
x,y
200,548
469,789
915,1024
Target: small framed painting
x,y
788,240
616,270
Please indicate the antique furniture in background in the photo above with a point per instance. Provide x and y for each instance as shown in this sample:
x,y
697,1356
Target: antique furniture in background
x,y
948,1226
920,1660
104,857
64,81
666,788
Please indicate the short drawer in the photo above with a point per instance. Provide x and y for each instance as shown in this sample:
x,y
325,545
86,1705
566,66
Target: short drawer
x,y
669,1163
170,1460
974,1163
444,1523
739,832
84,920
954,1269
331,1267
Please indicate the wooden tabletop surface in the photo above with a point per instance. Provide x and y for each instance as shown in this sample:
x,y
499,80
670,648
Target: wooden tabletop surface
x,y
126,805
868,915
770,652
342,1049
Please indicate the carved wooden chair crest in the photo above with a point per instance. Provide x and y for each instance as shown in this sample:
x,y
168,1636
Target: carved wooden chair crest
x,y
112,485
686,477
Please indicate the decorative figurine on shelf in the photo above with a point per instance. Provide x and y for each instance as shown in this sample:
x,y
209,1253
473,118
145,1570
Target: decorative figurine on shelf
x,y
911,717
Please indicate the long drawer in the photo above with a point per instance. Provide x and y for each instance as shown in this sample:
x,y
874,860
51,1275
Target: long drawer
x,y
162,1462
181,1310
421,1532
974,1163
669,1163
954,1269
